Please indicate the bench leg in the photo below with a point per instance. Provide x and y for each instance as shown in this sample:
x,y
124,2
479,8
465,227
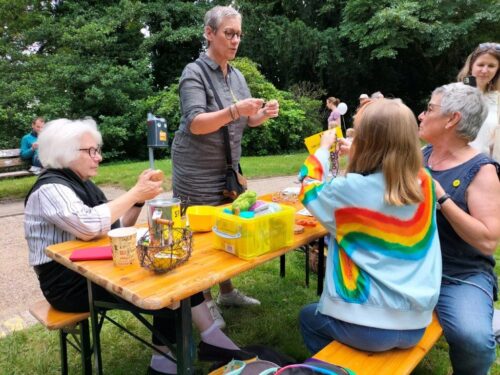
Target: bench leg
x,y
63,346
85,350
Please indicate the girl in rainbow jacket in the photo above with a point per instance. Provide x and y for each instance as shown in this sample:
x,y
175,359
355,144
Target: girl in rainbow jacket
x,y
383,267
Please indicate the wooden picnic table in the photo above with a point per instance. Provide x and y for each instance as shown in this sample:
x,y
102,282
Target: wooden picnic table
x,y
145,290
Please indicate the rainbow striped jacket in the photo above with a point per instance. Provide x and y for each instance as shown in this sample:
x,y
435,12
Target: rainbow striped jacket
x,y
384,262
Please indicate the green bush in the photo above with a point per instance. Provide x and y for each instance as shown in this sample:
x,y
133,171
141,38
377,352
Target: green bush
x,y
299,116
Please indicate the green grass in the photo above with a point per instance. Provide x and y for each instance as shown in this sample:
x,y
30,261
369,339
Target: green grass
x,y
124,174
35,350
273,323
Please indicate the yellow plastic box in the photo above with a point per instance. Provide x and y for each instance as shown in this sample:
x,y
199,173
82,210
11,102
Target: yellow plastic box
x,y
249,238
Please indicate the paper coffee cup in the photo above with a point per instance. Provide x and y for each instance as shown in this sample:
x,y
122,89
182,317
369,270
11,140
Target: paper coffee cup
x,y
123,242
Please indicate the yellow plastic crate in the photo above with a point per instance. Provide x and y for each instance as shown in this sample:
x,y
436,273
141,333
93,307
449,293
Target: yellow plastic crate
x,y
249,238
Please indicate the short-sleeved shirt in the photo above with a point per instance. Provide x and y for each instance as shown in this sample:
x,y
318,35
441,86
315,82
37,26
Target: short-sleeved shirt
x,y
334,116
199,161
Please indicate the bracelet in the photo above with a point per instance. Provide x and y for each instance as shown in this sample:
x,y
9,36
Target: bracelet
x,y
231,112
139,204
236,108
443,198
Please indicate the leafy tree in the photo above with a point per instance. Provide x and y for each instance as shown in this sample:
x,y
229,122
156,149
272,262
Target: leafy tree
x,y
86,60
404,48
91,58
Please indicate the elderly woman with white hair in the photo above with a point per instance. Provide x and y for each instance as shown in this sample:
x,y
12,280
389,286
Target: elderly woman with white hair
x,y
64,204
468,192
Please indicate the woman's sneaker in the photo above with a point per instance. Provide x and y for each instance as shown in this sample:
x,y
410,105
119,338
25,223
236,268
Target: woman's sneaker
x,y
216,314
236,298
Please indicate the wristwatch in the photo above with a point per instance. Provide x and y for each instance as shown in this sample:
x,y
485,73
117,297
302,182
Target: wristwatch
x,y
443,198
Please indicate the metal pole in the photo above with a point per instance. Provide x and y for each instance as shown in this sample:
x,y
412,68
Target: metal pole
x,y
151,158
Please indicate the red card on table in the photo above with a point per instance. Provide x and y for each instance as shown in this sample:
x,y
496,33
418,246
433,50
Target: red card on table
x,y
92,253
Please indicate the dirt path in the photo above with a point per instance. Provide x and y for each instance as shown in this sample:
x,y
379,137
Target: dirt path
x,y
18,283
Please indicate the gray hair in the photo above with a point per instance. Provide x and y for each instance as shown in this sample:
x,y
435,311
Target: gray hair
x,y
214,16
469,101
59,141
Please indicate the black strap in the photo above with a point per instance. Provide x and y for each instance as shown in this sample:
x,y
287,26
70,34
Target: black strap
x,y
225,131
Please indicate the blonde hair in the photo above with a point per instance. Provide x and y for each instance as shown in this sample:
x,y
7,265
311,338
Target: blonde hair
x,y
492,49
387,140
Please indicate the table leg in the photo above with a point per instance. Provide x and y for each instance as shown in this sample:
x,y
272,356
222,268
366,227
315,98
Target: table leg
x,y
282,265
321,264
94,321
307,253
185,345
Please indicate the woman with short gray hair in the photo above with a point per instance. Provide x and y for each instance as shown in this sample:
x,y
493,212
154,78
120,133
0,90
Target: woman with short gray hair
x,y
468,192
216,108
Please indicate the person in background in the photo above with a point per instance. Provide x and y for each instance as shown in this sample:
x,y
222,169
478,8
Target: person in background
x,y
484,65
198,149
349,134
29,145
384,264
334,117
377,95
345,143
64,204
362,99
468,191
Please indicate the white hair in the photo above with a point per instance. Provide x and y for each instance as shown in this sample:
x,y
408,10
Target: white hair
x,y
469,101
59,141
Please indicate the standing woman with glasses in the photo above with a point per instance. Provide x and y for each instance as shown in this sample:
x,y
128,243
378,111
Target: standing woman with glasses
x,y
198,149
468,191
484,65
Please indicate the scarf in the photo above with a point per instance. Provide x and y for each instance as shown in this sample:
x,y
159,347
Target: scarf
x,y
87,191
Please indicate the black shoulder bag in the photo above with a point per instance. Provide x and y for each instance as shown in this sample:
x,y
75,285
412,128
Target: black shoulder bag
x,y
235,182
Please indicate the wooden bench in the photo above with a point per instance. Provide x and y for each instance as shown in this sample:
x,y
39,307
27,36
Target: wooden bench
x,y
11,164
74,324
393,362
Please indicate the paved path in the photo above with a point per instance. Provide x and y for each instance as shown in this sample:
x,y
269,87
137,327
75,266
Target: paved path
x,y
18,283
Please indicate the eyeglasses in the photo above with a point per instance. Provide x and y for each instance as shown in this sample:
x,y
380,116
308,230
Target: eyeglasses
x,y
230,34
485,46
92,151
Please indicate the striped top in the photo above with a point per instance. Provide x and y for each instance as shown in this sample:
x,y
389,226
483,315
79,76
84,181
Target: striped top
x,y
384,263
55,214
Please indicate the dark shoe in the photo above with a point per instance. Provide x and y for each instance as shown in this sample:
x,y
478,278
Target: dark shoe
x,y
210,353
152,371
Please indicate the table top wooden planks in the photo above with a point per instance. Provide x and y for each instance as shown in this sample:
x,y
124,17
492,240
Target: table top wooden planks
x,y
206,267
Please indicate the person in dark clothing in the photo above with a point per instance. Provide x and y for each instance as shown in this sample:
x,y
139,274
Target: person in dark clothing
x,y
468,192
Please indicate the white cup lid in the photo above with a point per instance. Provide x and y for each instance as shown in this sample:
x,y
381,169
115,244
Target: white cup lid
x,y
122,232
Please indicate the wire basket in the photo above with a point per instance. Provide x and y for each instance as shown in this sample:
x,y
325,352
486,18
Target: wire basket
x,y
173,250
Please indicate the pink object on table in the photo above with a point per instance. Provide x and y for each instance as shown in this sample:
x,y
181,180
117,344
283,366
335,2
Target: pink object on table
x,y
92,253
